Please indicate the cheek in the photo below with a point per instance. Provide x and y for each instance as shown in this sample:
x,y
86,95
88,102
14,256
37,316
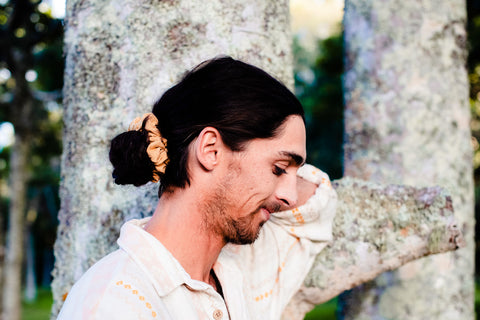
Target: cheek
x,y
260,187
254,185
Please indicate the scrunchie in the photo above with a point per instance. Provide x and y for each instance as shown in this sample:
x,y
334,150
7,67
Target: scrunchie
x,y
157,147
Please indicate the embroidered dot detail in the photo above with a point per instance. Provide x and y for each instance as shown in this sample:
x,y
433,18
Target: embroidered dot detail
x,y
280,269
217,314
135,292
298,216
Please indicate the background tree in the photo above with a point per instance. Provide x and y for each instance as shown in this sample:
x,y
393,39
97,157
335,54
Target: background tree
x,y
407,122
120,57
25,32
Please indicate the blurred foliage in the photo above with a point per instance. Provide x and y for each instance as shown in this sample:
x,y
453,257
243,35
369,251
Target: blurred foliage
x,y
473,64
27,29
318,85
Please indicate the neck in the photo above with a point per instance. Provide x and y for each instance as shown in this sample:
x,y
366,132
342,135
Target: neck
x,y
179,226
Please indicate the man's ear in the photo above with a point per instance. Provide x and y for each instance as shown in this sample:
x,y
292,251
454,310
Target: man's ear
x,y
208,148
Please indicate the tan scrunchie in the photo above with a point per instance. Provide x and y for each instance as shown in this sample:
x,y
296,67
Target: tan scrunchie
x,y
157,147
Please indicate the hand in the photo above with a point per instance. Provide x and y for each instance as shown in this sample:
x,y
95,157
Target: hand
x,y
305,190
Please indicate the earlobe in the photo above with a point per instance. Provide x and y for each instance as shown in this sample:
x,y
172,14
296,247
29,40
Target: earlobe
x,y
208,147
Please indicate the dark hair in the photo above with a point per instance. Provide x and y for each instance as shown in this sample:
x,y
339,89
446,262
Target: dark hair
x,y
241,101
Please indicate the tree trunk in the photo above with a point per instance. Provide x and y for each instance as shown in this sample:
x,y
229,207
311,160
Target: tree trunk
x,y
2,257
15,236
30,292
120,57
407,122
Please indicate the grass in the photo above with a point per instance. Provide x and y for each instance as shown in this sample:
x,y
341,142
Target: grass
x,y
40,308
324,311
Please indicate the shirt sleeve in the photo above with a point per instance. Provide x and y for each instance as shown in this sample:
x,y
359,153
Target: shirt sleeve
x,y
314,219
276,264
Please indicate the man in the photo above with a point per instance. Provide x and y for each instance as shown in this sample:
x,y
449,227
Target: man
x,y
226,143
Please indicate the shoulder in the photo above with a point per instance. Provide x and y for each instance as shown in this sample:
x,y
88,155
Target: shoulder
x,y
114,287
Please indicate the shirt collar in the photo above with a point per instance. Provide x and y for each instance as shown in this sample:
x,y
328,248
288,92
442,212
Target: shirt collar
x,y
164,271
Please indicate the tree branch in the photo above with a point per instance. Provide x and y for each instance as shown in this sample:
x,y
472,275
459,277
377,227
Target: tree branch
x,y
376,229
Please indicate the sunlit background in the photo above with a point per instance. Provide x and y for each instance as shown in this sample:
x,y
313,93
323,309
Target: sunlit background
x,y
318,51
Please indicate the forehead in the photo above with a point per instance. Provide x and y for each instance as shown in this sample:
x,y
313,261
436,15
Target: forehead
x,y
289,143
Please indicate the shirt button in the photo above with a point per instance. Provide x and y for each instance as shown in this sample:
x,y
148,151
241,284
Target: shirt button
x,y
217,314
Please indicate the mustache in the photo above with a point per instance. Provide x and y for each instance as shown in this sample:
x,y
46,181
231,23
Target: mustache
x,y
272,208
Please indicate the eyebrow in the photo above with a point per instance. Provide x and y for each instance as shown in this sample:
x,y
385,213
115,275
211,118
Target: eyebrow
x,y
296,158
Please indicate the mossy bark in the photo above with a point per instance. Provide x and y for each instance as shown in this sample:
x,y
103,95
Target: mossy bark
x,y
407,122
377,228
120,57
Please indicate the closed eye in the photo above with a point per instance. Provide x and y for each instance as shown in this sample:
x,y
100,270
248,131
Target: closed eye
x,y
278,171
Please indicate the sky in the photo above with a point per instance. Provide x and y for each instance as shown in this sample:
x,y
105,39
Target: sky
x,y
315,19
58,7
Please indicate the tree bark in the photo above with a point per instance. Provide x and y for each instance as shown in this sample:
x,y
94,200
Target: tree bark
x,y
120,57
15,236
376,228
407,122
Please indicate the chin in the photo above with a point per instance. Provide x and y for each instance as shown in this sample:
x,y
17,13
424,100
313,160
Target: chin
x,y
245,237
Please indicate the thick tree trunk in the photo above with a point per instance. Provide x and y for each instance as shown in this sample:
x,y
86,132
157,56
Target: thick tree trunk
x,y
407,122
15,236
120,57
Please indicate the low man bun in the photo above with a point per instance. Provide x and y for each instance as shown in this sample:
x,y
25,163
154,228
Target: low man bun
x,y
128,155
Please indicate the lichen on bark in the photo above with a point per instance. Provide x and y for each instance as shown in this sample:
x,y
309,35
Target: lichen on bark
x,y
377,228
407,122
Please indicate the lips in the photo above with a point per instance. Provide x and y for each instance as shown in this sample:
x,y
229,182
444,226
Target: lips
x,y
266,213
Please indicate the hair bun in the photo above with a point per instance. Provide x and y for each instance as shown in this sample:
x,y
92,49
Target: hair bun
x,y
128,155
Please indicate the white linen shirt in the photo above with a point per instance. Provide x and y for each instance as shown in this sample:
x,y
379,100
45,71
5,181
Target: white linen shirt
x,y
142,280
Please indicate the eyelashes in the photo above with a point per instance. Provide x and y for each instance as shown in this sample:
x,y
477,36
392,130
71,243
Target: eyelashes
x,y
278,171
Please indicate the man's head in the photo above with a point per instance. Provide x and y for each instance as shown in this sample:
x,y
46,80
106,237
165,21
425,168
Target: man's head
x,y
243,130
241,101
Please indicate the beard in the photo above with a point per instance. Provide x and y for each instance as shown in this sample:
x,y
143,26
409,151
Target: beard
x,y
244,230
217,218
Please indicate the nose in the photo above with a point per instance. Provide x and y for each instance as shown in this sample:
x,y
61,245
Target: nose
x,y
287,192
